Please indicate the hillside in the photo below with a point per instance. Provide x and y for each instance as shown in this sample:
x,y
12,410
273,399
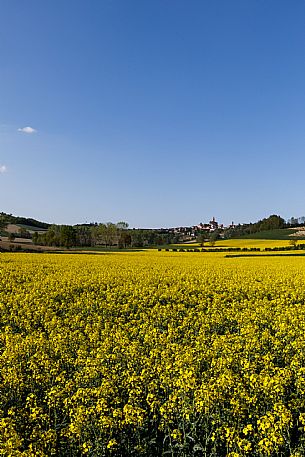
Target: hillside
x,y
278,234
27,223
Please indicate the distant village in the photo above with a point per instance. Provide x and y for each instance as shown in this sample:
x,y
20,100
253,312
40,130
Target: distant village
x,y
191,233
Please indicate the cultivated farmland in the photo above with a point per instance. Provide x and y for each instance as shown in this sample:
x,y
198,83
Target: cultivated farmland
x,y
152,354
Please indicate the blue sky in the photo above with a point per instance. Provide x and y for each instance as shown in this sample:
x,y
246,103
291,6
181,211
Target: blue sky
x,y
156,112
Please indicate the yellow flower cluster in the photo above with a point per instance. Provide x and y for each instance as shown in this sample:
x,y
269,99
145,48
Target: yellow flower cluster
x,y
152,354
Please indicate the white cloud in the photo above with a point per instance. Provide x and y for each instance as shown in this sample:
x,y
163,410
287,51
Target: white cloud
x,y
27,130
3,169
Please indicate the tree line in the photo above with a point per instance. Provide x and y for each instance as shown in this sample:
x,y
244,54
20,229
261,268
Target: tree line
x,y
104,234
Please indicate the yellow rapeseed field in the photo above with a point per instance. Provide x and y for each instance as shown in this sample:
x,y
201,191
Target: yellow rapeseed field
x,y
152,354
251,243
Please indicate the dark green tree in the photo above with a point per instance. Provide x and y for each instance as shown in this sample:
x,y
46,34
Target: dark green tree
x,y
67,236
11,236
201,238
3,221
214,236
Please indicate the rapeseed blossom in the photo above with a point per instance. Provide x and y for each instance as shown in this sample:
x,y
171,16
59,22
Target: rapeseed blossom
x,y
147,353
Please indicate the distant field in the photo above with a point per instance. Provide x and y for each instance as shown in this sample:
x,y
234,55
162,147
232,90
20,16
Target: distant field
x,y
15,228
31,228
233,243
12,228
251,243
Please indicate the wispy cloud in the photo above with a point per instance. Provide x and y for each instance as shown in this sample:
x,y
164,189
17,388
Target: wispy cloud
x,y
27,130
3,169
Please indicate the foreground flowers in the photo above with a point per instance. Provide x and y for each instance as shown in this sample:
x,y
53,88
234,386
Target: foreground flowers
x,y
148,353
